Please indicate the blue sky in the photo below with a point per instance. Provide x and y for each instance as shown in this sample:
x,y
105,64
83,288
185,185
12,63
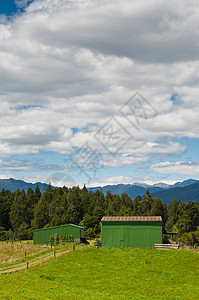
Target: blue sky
x,y
99,92
10,7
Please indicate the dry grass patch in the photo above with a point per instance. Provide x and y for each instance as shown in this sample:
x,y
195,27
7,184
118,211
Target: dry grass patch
x,y
10,253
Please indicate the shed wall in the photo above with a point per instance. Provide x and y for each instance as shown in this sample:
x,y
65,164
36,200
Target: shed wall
x,y
41,236
131,234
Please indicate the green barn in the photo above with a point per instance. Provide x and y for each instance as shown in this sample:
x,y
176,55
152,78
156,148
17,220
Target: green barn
x,y
136,231
42,236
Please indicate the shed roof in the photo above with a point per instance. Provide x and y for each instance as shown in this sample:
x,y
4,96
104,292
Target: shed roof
x,y
131,218
64,225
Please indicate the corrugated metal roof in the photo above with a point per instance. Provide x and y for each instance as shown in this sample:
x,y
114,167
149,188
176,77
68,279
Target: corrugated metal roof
x,y
131,218
63,225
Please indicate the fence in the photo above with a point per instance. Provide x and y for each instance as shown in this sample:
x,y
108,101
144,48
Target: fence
x,y
166,246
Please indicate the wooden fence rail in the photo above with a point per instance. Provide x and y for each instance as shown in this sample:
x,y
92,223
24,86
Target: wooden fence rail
x,y
27,265
166,246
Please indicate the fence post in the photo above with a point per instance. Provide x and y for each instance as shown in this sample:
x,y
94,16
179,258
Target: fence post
x,y
27,265
25,254
51,245
54,254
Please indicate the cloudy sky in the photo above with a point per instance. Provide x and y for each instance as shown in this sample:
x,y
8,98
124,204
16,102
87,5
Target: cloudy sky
x,y
100,91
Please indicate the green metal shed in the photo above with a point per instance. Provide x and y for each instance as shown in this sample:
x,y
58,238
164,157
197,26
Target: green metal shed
x,y
41,236
136,231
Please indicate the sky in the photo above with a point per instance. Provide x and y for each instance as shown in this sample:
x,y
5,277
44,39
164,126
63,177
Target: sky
x,y
99,92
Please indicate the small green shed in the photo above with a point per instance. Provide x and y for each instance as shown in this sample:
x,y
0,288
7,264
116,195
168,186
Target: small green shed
x,y
128,231
41,236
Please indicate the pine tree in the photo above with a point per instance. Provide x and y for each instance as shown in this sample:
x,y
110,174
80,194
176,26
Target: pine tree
x,y
6,200
18,211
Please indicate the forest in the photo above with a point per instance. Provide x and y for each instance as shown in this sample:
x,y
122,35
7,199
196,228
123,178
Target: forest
x,y
21,212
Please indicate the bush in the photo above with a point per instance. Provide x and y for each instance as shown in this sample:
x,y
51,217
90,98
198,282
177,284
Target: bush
x,y
22,232
69,238
90,233
51,239
61,238
3,234
56,239
190,238
11,235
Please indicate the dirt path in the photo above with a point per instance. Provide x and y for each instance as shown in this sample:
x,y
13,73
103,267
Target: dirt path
x,y
31,262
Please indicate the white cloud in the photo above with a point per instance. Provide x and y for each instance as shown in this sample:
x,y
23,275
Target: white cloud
x,y
102,181
186,168
70,64
22,3
31,165
7,176
55,179
147,29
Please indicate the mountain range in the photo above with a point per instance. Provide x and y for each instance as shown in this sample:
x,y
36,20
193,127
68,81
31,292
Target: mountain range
x,y
13,184
186,190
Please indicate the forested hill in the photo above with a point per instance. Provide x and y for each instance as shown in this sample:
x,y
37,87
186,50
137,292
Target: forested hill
x,y
21,212
186,193
12,185
186,190
129,189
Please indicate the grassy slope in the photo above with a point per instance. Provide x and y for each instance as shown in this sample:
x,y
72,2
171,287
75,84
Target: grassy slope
x,y
91,273
13,254
10,253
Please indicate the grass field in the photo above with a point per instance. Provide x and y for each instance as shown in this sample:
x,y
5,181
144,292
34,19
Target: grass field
x,y
15,253
90,273
10,253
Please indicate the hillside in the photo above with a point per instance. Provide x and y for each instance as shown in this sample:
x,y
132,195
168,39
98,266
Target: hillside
x,y
115,274
186,193
180,190
131,190
186,190
12,185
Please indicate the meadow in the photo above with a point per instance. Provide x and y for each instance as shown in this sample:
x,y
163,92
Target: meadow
x,y
90,273
17,254
16,251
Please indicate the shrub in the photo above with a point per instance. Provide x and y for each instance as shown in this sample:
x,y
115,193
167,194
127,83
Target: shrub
x,y
61,238
90,233
190,238
71,238
56,239
3,234
51,239
22,232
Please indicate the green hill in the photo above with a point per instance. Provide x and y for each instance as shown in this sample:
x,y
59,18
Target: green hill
x,y
118,274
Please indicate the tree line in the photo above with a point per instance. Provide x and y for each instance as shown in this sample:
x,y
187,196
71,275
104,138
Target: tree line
x,y
21,212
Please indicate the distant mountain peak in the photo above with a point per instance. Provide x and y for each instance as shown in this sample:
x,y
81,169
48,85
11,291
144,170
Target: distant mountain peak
x,y
13,184
185,182
158,190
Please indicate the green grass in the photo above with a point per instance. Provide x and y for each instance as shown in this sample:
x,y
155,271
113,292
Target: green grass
x,y
90,273
10,253
13,254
